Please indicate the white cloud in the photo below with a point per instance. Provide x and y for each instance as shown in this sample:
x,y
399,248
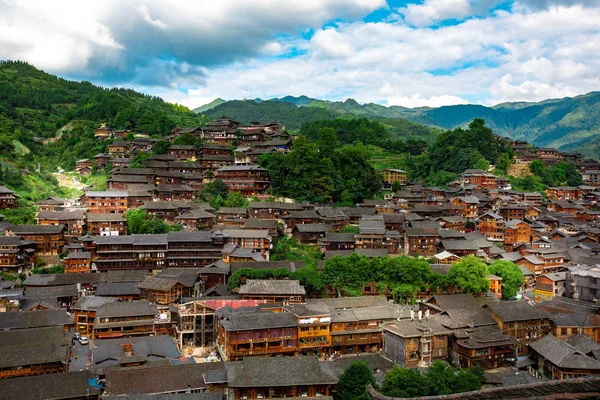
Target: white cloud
x,y
433,11
145,13
192,52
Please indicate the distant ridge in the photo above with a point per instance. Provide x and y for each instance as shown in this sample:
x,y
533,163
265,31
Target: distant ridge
x,y
569,124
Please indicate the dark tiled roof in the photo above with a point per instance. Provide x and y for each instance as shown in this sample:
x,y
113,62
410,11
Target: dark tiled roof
x,y
275,372
133,308
38,229
34,319
52,386
511,311
267,286
158,379
247,321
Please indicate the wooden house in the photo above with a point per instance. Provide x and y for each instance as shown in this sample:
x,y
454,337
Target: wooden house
x,y
265,209
249,180
391,175
106,225
73,219
84,312
78,262
117,149
102,160
301,217
572,358
49,239
520,320
257,334
232,216
416,342
269,378
134,318
109,201
183,152
467,206
16,254
310,233
273,291
34,351
7,198
420,241
337,241
491,225
196,220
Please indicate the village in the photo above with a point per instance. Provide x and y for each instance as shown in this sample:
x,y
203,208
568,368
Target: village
x,y
149,314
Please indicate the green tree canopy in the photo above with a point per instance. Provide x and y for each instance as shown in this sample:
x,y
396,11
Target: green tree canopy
x,y
161,147
470,275
511,274
353,382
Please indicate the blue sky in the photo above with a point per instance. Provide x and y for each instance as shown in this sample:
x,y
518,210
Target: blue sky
x,y
409,53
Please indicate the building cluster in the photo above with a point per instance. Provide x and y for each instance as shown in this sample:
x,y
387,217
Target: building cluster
x,y
162,322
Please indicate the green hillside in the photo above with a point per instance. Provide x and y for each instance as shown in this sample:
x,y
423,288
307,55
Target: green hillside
x,y
569,124
48,122
209,106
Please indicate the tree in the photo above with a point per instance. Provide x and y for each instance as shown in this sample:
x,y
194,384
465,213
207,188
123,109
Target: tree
x,y
161,147
396,186
139,222
512,277
353,382
310,278
130,136
327,141
470,275
215,193
405,382
537,168
235,199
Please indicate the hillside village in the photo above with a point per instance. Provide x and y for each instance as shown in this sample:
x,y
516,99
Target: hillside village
x,y
215,305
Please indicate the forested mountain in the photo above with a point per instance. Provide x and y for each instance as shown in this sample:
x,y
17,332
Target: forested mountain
x,y
568,124
48,122
209,106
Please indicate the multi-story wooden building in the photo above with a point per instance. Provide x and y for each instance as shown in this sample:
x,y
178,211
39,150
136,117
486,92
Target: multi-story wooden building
x,y
249,180
106,202
7,198
520,320
106,225
49,239
301,217
259,333
416,342
78,262
183,152
232,216
420,241
73,219
16,253
255,239
391,175
167,289
491,225
565,359
196,220
126,319
485,346
273,291
478,177
34,351
222,131
373,235
564,193
467,206
84,312
117,149
516,231
313,328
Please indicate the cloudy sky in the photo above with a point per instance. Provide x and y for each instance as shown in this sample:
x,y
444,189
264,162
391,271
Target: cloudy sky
x,y
410,53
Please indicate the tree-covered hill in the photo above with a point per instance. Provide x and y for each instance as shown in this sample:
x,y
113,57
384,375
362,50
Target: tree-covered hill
x,y
569,124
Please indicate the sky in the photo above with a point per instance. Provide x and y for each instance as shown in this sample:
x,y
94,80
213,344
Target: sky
x,y
410,53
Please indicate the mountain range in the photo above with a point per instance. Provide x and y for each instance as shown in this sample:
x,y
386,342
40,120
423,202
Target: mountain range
x,y
569,124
